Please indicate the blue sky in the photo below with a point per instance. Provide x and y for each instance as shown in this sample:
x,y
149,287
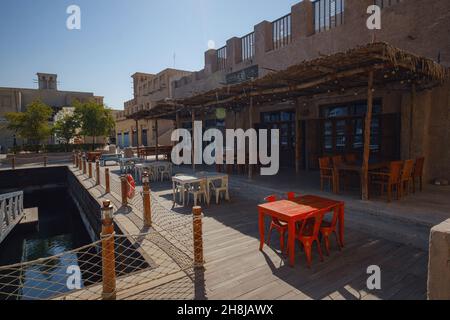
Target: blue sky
x,y
118,38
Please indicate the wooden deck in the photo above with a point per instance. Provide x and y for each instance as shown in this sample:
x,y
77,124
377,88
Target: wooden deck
x,y
236,269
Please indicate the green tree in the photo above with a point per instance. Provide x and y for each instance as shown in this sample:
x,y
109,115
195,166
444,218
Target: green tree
x,y
33,124
66,129
95,119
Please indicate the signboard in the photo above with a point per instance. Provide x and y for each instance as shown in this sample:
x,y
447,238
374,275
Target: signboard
x,y
243,75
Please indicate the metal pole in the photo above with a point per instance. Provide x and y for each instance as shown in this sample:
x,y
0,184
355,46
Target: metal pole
x,y
108,254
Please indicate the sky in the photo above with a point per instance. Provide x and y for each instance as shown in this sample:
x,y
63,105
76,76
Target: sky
x,y
118,38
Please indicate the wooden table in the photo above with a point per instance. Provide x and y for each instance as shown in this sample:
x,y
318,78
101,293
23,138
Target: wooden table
x,y
353,168
294,211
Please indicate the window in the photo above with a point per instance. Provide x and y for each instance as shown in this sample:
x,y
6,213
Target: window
x,y
328,14
343,128
248,46
282,32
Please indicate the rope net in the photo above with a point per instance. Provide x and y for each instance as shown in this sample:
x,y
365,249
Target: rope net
x,y
139,262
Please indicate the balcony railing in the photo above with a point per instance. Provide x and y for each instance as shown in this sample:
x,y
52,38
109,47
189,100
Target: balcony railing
x,y
248,46
328,14
282,32
222,58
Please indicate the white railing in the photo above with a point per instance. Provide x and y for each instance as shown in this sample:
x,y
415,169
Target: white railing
x,y
11,212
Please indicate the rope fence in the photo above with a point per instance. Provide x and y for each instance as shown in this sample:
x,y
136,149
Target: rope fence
x,y
116,266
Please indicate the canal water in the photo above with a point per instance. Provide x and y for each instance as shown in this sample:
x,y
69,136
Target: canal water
x,y
60,230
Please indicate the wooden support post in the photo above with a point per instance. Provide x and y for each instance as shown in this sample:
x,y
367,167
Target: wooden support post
x,y
108,253
107,183
193,138
90,169
124,187
411,119
97,172
367,131
137,136
84,165
156,140
13,162
198,237
146,200
297,139
250,125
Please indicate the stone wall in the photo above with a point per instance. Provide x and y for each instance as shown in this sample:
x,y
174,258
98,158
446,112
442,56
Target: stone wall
x,y
439,263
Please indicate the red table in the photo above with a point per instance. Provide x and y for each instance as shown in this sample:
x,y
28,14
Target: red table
x,y
294,211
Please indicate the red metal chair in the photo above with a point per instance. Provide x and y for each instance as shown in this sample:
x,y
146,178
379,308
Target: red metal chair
x,y
309,233
328,228
291,195
280,226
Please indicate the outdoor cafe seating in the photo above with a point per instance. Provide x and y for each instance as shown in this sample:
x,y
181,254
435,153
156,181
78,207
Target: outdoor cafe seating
x,y
399,177
201,185
305,219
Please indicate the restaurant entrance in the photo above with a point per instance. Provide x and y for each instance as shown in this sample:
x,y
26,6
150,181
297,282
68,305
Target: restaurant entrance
x,y
285,122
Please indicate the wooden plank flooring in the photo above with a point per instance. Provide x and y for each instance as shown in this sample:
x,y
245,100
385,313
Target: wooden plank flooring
x,y
236,269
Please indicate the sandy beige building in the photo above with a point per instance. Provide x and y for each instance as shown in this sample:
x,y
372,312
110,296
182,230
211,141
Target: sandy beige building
x,y
147,90
17,99
331,123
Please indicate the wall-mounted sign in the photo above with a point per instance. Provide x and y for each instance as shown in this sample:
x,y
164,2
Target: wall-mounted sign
x,y
243,75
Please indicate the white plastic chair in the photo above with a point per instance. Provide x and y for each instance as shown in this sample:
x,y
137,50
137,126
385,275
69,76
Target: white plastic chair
x,y
179,189
222,189
199,192
165,170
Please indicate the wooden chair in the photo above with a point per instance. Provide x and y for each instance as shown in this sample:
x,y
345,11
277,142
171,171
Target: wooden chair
x,y
350,158
309,233
326,172
280,226
418,174
388,180
406,178
329,228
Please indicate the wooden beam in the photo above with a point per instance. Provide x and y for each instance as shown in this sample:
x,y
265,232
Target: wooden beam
x,y
156,140
297,138
411,119
137,136
303,86
193,138
367,131
250,125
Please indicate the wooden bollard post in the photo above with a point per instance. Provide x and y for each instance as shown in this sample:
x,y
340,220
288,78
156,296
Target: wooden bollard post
x,y
13,162
124,187
108,253
80,162
84,165
75,160
107,185
146,201
97,172
198,237
90,169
